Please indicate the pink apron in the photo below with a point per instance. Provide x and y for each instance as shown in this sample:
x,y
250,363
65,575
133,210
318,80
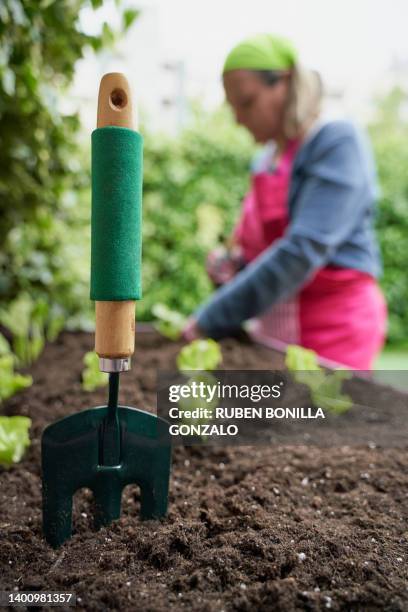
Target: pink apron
x,y
341,314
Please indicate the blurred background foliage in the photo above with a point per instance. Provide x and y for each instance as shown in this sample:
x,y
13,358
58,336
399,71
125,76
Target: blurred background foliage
x,y
389,135
43,180
192,187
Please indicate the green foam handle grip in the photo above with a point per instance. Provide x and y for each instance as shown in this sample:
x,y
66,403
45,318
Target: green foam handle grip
x,y
116,224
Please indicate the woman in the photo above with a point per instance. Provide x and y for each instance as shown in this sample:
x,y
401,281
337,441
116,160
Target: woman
x,y
310,257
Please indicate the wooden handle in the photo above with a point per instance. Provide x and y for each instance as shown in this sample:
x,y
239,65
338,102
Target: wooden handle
x,y
115,321
115,102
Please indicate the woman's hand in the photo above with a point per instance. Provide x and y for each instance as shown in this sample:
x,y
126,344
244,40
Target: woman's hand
x,y
191,331
222,265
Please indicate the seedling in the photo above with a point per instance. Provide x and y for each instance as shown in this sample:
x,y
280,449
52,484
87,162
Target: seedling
x,y
14,438
11,382
92,377
200,355
27,320
169,323
324,387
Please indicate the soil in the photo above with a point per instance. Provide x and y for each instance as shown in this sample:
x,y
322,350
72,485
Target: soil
x,y
284,526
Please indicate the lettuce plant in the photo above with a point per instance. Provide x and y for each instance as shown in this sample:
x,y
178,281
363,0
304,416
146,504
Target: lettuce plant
x,y
92,377
13,430
14,438
27,320
10,381
200,355
325,387
168,322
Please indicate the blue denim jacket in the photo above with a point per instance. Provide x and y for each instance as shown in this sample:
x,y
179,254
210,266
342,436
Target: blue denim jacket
x,y
332,197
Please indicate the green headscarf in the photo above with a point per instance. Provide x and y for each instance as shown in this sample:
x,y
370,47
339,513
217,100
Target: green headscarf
x,y
262,52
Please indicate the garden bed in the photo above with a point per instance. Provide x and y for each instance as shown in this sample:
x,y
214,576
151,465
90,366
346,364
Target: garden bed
x,y
282,526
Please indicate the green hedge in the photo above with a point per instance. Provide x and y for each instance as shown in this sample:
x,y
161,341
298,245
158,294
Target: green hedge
x,y
389,133
43,180
192,193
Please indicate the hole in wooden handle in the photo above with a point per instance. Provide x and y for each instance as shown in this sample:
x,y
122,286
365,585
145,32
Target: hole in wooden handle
x,y
118,99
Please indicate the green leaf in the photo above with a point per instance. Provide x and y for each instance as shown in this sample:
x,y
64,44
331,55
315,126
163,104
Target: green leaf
x,y
9,81
17,317
92,377
200,355
11,382
14,438
303,364
26,319
299,358
338,404
313,379
55,326
210,224
46,3
129,16
325,387
108,35
169,322
4,346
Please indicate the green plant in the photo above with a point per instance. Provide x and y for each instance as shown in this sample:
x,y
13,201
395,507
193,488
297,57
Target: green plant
x,y
299,358
14,438
200,355
389,134
4,346
30,323
44,168
10,381
325,387
92,377
168,322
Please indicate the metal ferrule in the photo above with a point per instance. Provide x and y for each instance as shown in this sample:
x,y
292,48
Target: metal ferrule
x,y
114,365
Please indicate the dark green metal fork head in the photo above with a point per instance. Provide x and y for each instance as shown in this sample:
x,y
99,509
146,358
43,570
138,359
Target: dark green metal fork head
x,y
104,449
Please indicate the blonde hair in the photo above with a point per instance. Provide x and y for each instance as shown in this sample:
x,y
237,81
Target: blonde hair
x,y
305,101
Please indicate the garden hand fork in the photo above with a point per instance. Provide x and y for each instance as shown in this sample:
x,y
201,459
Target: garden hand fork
x,y
107,447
